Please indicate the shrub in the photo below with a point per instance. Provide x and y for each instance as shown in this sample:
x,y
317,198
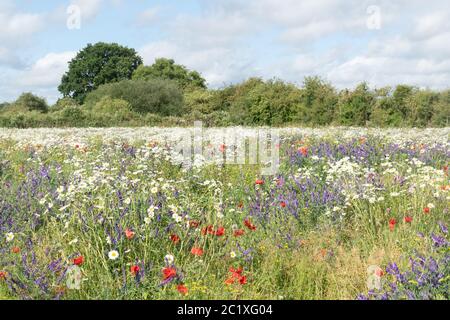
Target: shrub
x,y
32,102
156,96
355,106
318,102
200,100
73,115
62,103
264,103
151,119
441,115
113,110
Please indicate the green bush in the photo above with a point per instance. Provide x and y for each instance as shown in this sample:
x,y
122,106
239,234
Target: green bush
x,y
318,102
256,102
156,96
32,102
441,115
200,100
113,110
73,114
152,120
355,107
62,103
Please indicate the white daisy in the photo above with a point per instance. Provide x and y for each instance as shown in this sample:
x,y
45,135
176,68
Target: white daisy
x,y
113,255
169,259
9,237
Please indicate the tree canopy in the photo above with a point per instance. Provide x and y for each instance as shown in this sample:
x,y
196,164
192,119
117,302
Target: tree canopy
x,y
95,65
167,69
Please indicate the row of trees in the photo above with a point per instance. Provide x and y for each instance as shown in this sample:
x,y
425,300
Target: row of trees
x,y
107,84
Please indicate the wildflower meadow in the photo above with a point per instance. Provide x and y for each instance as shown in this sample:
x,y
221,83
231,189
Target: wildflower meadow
x,y
122,213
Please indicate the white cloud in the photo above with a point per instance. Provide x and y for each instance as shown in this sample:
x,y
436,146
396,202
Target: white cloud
x,y
89,8
15,26
432,24
46,71
148,16
217,65
41,78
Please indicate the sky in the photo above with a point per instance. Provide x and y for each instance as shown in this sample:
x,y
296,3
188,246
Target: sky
x,y
345,42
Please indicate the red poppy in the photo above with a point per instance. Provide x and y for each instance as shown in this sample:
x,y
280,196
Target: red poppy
x,y
249,225
220,231
175,239
426,210
236,275
243,280
182,289
238,232
2,275
303,151
78,261
169,273
392,223
283,204
222,148
15,250
197,251
408,219
129,233
135,270
236,272
259,182
207,230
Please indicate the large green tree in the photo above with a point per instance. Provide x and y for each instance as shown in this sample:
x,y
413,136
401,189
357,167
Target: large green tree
x,y
167,69
95,65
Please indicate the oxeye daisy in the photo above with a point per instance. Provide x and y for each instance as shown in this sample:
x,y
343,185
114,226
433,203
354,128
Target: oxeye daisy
x,y
169,259
9,237
113,255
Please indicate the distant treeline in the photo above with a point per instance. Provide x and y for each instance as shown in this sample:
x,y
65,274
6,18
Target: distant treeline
x,y
107,85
